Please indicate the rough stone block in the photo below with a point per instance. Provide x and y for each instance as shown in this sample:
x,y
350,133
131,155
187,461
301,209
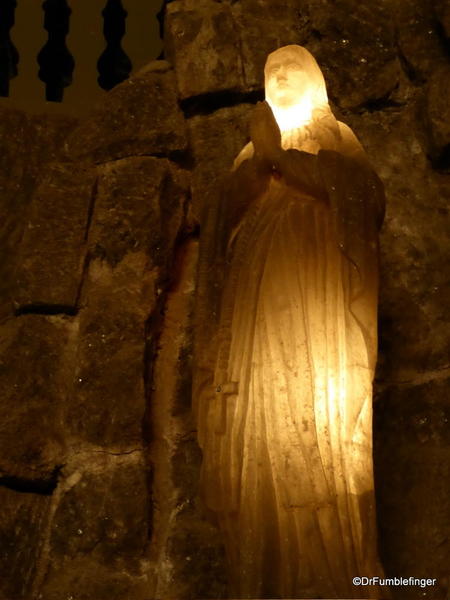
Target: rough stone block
x,y
53,248
100,532
418,39
23,525
193,563
442,10
203,45
138,215
215,141
218,47
35,366
414,287
109,399
355,47
414,321
196,551
190,563
283,23
83,579
140,116
27,145
412,458
437,116
139,208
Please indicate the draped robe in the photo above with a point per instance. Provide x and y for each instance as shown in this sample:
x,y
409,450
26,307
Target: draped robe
x,y
285,356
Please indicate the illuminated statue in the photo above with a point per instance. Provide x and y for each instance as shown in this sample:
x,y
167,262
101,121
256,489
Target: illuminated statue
x,y
286,347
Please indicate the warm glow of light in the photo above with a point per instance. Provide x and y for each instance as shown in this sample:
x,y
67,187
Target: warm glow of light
x,y
295,87
293,117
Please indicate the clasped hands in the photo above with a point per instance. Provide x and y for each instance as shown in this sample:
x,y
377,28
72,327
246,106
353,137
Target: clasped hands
x,y
297,168
266,138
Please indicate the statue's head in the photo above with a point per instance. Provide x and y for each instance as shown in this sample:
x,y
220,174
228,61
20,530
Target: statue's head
x,y
293,78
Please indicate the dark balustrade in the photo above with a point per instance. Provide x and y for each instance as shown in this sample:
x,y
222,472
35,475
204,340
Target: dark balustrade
x,y
9,57
58,51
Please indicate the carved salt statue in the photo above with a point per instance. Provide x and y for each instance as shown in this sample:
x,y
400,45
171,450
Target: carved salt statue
x,y
286,347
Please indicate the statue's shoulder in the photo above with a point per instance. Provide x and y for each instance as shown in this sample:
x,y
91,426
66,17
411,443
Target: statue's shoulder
x,y
349,145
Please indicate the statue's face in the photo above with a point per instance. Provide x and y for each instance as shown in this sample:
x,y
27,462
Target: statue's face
x,y
286,82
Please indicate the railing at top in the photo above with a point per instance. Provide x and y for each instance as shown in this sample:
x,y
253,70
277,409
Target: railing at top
x,y
9,56
63,50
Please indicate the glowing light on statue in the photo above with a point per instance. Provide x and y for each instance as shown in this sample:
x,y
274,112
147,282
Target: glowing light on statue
x,y
284,77
286,347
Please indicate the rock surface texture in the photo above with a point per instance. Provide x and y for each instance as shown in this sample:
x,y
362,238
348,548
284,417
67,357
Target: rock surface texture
x,y
98,238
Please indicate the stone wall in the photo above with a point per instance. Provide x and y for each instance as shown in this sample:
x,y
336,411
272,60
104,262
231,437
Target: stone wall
x,y
84,304
98,460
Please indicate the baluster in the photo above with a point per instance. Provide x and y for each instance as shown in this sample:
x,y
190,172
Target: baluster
x,y
160,16
9,57
26,89
113,65
86,43
55,60
142,41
